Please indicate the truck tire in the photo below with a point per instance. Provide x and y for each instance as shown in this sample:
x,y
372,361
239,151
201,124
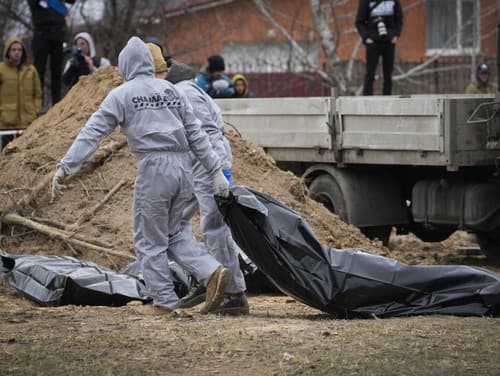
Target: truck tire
x,y
326,190
489,242
431,235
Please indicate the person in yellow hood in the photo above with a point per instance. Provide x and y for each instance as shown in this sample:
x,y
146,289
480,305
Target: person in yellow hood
x,y
20,89
240,84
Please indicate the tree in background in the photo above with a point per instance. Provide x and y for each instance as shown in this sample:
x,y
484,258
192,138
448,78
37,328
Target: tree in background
x,y
331,32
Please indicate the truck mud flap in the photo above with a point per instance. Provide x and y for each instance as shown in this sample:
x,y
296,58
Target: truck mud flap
x,y
349,283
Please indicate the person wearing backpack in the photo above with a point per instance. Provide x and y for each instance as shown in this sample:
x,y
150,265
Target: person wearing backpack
x,y
379,24
83,59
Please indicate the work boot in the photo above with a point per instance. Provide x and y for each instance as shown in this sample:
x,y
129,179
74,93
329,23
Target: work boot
x,y
231,304
194,297
215,287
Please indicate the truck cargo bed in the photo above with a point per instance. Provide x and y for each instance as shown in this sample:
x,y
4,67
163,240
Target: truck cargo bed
x,y
421,130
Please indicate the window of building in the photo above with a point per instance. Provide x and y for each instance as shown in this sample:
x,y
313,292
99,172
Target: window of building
x,y
452,27
270,57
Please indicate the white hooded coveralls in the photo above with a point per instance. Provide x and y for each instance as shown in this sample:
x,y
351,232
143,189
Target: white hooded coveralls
x,y
161,129
216,235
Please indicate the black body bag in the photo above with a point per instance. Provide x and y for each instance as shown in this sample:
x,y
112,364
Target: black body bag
x,y
349,283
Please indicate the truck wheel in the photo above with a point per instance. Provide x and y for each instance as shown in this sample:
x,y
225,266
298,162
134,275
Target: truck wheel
x,y
431,235
381,233
489,242
326,190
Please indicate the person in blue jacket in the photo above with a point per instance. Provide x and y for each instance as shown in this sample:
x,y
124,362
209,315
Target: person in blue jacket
x,y
213,80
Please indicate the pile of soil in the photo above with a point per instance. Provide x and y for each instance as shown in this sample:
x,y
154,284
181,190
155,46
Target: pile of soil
x,y
28,159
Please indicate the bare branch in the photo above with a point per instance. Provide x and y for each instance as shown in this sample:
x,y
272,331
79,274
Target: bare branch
x,y
354,53
327,41
436,56
13,11
263,7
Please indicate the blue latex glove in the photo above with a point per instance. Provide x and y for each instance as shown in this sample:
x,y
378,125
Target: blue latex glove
x,y
228,174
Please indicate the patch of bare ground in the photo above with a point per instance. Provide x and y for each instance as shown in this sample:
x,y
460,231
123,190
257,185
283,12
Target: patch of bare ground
x,y
280,337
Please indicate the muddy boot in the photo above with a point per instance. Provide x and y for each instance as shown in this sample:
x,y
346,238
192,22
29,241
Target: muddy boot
x,y
215,288
194,297
231,304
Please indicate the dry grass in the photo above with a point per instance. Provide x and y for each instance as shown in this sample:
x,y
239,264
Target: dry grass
x,y
280,337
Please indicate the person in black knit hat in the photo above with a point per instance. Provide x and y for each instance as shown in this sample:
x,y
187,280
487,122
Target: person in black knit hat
x,y
213,80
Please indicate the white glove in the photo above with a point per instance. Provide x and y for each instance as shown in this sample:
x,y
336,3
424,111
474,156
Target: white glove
x,y
57,185
220,85
221,185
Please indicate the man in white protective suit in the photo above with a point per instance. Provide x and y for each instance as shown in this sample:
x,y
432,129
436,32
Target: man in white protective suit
x,y
216,235
161,130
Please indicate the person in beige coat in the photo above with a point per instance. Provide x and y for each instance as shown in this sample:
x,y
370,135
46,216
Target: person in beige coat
x,y
20,89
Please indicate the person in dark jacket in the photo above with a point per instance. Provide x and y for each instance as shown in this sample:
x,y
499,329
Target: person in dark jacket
x,y
213,80
84,60
379,24
49,21
482,84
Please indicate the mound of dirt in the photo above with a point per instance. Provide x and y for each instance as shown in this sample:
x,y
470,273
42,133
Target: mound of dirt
x,y
29,161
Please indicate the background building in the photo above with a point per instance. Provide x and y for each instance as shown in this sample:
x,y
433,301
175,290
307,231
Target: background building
x,y
441,43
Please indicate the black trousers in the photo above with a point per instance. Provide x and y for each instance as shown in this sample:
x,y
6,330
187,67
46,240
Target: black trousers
x,y
49,43
5,140
373,53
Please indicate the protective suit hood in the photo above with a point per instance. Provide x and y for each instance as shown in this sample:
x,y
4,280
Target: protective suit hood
x,y
135,60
